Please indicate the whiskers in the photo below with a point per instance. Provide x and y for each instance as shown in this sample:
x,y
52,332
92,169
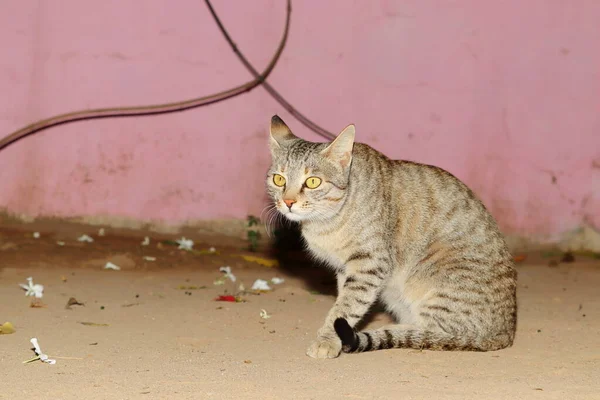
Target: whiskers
x,y
271,218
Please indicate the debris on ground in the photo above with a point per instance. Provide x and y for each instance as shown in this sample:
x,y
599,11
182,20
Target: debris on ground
x,y
72,302
85,238
267,262
101,232
185,244
264,314
7,328
60,243
40,355
277,281
192,287
36,235
568,257
227,271
92,324
36,303
31,289
261,284
520,257
220,281
211,251
8,246
149,258
146,241
229,298
112,266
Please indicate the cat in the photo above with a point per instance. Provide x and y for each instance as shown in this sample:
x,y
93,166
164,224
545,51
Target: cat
x,y
410,235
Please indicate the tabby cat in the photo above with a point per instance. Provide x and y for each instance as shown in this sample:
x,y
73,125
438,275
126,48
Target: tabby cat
x,y
410,235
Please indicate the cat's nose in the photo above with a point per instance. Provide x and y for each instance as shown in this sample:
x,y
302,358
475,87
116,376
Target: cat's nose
x,y
289,202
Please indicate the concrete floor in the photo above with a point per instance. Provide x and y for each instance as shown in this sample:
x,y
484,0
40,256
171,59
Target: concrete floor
x,y
161,342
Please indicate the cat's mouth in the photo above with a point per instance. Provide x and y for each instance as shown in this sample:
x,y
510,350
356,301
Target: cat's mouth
x,y
291,215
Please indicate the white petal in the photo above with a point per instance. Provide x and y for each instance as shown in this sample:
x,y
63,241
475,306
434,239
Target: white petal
x,y
260,284
36,346
85,238
112,266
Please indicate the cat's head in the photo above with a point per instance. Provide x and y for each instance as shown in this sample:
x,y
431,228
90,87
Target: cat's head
x,y
306,180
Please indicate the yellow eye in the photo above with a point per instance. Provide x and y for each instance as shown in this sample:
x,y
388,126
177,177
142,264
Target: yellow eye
x,y
278,180
313,182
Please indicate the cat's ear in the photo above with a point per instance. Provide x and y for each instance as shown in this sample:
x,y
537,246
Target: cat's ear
x,y
340,150
280,132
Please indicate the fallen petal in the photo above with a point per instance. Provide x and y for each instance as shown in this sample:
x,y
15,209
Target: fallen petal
x,y
85,238
261,284
112,266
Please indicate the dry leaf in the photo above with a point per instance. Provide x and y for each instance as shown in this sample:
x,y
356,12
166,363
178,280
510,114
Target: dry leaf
x,y
36,303
267,262
92,324
7,328
73,302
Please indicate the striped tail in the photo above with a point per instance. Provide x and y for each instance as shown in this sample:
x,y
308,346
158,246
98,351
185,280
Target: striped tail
x,y
398,336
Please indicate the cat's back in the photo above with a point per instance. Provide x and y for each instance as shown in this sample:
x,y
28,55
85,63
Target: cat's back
x,y
423,204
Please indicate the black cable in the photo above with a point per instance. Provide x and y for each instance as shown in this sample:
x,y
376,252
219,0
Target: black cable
x,y
270,89
153,109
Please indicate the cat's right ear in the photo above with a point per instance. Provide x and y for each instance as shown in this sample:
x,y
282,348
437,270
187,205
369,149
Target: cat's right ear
x,y
280,133
340,150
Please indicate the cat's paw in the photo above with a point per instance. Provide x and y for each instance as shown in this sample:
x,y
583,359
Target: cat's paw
x,y
325,348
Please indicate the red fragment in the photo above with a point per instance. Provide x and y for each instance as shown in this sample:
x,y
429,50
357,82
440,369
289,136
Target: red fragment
x,y
229,298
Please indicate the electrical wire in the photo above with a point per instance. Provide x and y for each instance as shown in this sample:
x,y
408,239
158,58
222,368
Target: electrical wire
x,y
115,112
270,89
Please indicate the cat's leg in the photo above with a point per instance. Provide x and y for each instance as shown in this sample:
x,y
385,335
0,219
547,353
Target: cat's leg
x,y
341,279
360,288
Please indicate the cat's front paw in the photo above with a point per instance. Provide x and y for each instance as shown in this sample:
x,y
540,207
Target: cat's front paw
x,y
325,348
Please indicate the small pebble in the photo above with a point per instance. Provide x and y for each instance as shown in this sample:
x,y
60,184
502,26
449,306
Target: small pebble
x,y
568,257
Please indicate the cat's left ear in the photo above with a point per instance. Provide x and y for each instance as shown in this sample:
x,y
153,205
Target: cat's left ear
x,y
340,150
279,133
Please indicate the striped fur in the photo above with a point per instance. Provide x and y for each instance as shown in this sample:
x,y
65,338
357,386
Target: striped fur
x,y
408,234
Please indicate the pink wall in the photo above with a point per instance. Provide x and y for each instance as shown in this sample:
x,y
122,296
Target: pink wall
x,y
506,95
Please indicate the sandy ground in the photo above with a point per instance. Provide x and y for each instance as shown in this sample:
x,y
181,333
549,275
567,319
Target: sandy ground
x,y
165,341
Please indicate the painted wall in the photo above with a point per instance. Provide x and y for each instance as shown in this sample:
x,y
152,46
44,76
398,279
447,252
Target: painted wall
x,y
505,95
